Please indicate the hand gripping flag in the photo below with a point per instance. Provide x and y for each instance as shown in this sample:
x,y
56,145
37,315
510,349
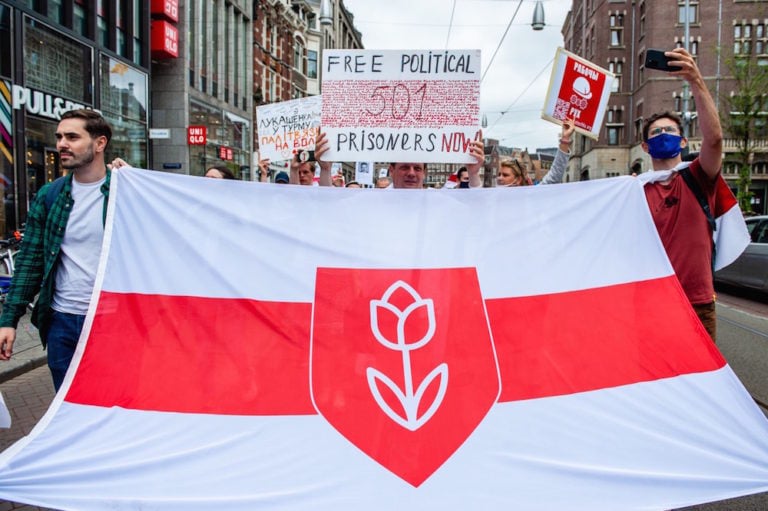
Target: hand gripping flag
x,y
500,349
730,236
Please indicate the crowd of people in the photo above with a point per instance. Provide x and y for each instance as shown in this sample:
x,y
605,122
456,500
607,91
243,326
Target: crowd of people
x,y
65,223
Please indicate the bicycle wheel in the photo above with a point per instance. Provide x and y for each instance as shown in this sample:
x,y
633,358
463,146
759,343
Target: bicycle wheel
x,y
6,264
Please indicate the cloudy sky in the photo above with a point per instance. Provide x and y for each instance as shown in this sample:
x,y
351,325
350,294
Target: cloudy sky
x,y
518,77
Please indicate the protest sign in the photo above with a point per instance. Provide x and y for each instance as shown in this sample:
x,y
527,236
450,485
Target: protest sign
x,y
401,105
580,90
364,172
288,127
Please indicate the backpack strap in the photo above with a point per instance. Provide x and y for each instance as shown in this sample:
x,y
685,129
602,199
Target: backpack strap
x,y
53,191
685,173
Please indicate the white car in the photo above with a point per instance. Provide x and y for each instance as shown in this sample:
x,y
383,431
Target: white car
x,y
750,270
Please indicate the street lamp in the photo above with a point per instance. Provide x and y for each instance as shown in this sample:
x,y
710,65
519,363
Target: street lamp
x,y
538,16
326,13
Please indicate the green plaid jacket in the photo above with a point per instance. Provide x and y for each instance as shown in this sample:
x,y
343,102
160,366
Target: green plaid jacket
x,y
38,258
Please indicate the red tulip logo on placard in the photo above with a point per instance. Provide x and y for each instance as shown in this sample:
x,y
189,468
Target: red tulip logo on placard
x,y
402,365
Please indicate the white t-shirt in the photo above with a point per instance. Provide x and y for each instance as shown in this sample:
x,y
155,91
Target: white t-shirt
x,y
80,249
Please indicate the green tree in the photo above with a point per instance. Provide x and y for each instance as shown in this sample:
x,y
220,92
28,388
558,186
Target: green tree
x,y
744,116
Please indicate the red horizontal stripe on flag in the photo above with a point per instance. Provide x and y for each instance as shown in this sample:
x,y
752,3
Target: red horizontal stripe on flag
x,y
196,355
578,341
245,357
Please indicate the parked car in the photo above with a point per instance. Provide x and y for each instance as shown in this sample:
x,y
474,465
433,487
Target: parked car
x,y
751,268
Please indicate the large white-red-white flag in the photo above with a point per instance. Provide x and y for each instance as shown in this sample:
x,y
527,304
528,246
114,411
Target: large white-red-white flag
x,y
495,349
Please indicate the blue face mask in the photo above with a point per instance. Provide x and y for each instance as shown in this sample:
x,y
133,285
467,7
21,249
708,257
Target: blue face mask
x,y
664,146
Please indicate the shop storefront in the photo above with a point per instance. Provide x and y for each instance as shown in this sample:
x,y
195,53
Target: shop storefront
x,y
227,140
46,71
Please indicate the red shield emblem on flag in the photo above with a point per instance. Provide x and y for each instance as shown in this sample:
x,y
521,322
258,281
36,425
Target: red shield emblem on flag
x,y
403,365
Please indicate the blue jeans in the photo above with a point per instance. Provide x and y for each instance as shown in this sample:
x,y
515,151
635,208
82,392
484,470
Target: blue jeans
x,y
63,333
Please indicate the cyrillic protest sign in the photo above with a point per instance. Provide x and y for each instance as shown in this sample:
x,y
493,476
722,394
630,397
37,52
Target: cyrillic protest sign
x,y
578,89
288,127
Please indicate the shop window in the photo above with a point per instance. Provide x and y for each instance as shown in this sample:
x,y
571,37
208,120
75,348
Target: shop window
x,y
123,90
57,64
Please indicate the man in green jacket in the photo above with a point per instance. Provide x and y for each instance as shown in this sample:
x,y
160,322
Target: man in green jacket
x,y
62,244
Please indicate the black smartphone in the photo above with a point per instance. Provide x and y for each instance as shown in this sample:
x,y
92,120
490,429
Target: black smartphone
x,y
655,59
303,156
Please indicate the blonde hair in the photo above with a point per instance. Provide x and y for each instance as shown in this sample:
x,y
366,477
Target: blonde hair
x,y
517,166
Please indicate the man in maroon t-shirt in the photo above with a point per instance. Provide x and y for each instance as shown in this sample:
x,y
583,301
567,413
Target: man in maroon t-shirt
x,y
678,215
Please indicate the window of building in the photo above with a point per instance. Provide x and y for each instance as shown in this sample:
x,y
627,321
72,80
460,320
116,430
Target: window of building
x,y
311,64
80,18
614,133
615,37
614,115
6,68
102,36
56,11
57,64
616,67
244,52
642,20
298,55
617,25
215,48
742,40
692,12
124,104
641,67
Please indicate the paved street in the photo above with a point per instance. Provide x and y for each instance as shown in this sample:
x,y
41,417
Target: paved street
x,y
743,339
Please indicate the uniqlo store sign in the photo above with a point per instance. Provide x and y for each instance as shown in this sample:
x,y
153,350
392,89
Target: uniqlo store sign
x,y
168,9
164,33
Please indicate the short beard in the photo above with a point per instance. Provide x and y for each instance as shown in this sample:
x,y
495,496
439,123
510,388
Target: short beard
x,y
74,165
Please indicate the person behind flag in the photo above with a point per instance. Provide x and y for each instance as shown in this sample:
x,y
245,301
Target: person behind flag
x,y
383,182
219,172
411,175
62,243
680,220
512,171
462,177
303,172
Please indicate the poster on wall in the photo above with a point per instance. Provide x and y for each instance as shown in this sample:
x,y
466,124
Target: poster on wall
x,y
578,89
288,127
401,105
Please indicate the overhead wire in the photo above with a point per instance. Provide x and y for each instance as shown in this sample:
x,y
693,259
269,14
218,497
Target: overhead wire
x,y
450,25
498,46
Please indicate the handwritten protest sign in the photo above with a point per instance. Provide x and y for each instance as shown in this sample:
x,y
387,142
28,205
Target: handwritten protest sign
x,y
578,89
288,127
398,105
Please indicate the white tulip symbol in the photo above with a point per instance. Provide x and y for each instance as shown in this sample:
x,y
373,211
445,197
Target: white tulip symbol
x,y
409,400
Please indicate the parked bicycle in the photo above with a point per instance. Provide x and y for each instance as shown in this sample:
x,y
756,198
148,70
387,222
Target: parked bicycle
x,y
8,249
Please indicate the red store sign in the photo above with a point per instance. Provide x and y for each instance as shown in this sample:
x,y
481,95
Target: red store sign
x,y
225,153
168,9
196,135
165,40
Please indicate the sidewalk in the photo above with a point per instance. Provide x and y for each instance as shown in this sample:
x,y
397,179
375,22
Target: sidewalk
x,y
27,352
